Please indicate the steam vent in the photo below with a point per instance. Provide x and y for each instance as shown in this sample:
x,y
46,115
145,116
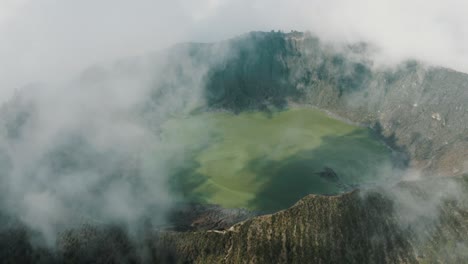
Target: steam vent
x,y
269,147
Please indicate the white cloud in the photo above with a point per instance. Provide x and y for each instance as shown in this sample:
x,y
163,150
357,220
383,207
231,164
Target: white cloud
x,y
48,40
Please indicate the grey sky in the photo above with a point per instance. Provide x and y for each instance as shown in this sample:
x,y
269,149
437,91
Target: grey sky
x,y
52,40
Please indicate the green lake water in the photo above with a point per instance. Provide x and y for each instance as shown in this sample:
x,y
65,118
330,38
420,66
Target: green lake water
x,y
267,162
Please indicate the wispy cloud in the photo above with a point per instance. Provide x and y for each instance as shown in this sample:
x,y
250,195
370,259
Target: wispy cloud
x,y
50,40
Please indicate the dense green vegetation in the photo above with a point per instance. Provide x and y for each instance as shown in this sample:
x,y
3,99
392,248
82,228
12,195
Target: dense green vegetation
x,y
267,162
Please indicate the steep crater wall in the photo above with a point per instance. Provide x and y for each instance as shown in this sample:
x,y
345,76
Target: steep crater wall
x,y
420,109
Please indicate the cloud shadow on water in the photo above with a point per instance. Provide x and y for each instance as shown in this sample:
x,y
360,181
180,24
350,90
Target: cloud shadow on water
x,y
185,180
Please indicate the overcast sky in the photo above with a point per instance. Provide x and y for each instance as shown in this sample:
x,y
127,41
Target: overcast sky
x,y
53,40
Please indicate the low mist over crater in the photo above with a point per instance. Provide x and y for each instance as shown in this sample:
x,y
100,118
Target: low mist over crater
x,y
180,154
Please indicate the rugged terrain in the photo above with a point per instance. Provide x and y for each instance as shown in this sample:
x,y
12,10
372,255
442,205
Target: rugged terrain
x,y
351,228
357,227
419,110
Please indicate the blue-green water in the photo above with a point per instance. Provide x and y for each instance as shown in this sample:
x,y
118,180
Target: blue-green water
x,y
269,161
